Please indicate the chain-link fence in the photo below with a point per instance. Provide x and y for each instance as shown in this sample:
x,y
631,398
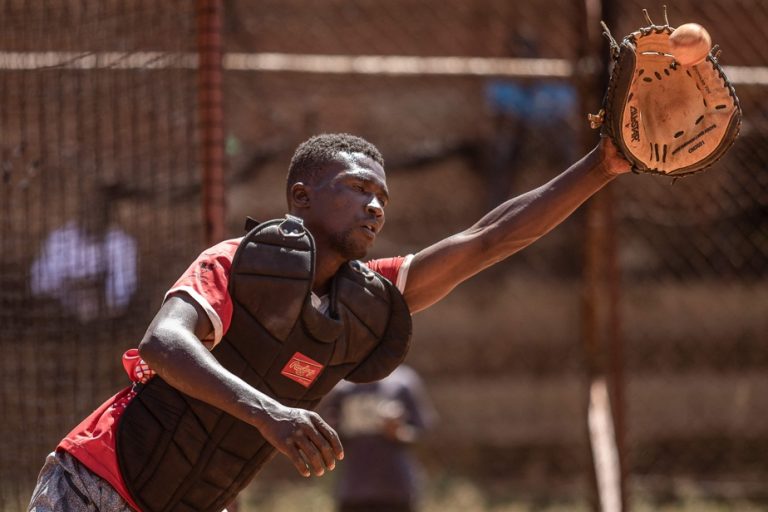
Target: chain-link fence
x,y
100,193
470,102
694,266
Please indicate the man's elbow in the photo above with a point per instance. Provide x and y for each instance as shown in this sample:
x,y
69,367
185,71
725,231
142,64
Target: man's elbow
x,y
153,349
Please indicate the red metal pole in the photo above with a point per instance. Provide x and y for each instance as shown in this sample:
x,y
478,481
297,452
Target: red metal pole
x,y
616,377
601,299
211,112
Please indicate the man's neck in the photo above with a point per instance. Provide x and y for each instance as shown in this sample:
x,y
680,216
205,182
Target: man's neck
x,y
327,262
325,269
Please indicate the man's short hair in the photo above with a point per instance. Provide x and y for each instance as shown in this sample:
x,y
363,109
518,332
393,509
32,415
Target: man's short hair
x,y
320,150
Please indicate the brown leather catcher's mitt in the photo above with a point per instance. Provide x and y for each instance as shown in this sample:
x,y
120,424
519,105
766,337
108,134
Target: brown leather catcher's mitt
x,y
664,117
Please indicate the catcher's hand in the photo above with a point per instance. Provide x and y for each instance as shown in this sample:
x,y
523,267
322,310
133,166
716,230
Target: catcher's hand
x,y
302,436
664,117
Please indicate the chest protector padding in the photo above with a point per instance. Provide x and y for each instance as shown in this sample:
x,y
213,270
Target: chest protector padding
x,y
177,453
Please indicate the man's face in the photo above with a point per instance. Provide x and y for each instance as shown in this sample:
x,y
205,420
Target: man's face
x,y
346,205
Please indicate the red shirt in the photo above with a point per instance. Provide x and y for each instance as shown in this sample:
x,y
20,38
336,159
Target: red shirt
x,y
92,442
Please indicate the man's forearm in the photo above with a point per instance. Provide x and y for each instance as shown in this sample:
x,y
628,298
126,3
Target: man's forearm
x,y
189,367
522,220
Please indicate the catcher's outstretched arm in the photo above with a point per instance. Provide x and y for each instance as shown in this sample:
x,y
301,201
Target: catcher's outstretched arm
x,y
509,227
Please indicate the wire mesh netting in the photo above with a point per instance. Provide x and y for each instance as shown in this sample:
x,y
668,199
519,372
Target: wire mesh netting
x,y
470,102
694,266
100,194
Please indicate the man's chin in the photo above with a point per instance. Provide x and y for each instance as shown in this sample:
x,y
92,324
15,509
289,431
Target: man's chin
x,y
354,249
356,252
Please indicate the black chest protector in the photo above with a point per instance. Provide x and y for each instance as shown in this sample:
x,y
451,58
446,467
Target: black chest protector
x,y
177,453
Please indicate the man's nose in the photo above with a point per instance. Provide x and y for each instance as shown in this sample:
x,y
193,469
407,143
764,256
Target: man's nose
x,y
375,206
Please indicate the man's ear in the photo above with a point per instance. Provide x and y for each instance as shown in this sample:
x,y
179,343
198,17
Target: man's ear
x,y
298,196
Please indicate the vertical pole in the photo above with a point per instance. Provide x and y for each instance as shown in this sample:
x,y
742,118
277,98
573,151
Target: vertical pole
x,y
589,101
211,112
601,299
616,343
613,289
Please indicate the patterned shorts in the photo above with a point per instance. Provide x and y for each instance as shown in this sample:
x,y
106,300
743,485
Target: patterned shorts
x,y
65,485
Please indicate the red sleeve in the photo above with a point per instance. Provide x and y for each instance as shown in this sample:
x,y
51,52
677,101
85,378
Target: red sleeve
x,y
206,281
389,267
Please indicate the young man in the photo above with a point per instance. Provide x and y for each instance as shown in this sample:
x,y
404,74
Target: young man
x,y
287,312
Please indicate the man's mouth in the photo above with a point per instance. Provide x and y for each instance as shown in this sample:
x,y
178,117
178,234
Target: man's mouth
x,y
371,229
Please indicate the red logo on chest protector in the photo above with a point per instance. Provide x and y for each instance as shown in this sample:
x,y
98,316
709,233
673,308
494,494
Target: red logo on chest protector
x,y
302,369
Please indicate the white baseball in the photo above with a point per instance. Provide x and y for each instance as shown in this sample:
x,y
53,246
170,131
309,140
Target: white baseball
x,y
690,44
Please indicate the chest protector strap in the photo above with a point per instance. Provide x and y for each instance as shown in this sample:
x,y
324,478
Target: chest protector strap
x,y
177,453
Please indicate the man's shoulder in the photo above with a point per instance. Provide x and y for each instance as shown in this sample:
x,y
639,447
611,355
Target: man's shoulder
x,y
388,267
226,249
216,259
395,269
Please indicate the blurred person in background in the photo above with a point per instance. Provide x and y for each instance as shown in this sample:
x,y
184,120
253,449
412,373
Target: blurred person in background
x,y
524,111
379,423
88,265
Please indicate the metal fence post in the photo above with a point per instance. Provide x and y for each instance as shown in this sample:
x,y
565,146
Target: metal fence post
x,y
211,112
601,295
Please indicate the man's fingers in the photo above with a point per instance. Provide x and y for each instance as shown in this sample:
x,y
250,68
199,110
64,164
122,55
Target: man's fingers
x,y
311,454
325,450
331,437
310,444
295,456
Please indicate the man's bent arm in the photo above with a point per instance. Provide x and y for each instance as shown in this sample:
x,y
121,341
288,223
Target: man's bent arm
x,y
508,228
173,349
